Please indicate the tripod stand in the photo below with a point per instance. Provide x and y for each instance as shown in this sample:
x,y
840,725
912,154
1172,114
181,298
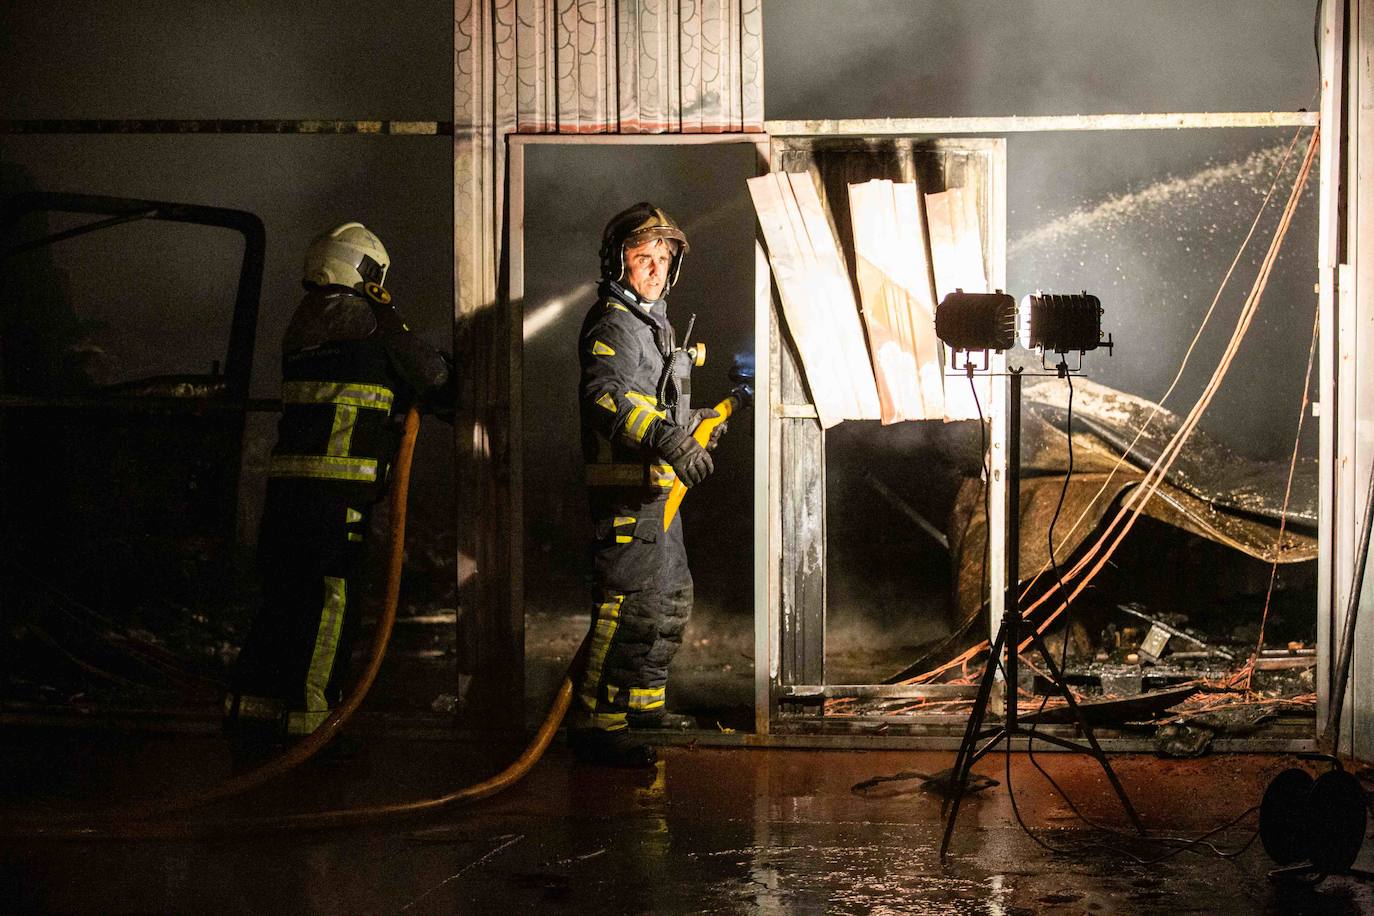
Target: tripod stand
x,y
1009,638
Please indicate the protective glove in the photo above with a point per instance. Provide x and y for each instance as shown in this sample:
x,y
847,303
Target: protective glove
x,y
706,413
688,459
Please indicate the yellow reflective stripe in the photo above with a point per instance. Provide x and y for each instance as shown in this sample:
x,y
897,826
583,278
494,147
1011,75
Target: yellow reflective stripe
x,y
609,721
601,349
607,402
637,424
644,698
623,539
326,645
617,305
352,515
622,520
341,435
299,722
354,536
607,620
253,707
327,467
630,475
644,412
373,397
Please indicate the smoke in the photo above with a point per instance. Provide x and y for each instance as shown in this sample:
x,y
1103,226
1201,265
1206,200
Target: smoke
x,y
1165,199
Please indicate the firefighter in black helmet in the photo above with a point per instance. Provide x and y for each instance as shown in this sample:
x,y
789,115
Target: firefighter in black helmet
x,y
350,368
636,439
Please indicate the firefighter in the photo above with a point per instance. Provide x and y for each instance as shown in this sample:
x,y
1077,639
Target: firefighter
x,y
636,420
351,368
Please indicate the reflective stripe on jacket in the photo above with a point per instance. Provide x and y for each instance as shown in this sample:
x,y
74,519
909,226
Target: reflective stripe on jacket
x,y
622,351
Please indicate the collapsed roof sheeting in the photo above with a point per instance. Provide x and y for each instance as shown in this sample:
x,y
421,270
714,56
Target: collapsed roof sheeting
x,y
1205,468
1211,491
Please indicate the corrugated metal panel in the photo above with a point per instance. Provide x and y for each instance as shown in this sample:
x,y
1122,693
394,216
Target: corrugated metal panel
x,y
588,66
817,298
601,66
957,251
892,267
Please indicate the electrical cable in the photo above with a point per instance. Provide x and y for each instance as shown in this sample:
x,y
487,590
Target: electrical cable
x,y
1183,843
1192,345
1287,492
987,492
1134,506
1012,689
1059,579
1135,503
1188,842
1317,41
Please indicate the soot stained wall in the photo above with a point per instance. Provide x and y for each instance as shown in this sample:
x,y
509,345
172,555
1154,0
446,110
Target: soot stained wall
x,y
347,60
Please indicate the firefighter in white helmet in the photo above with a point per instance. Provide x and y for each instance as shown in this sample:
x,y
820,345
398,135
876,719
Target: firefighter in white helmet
x,y
350,369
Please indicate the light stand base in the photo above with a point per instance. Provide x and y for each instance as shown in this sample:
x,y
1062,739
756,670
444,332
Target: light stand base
x,y
1009,638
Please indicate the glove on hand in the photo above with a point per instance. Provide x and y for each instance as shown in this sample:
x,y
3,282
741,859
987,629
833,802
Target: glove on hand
x,y
688,459
706,413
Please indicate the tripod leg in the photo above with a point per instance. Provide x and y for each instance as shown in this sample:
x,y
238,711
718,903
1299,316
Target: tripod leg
x,y
964,760
1057,678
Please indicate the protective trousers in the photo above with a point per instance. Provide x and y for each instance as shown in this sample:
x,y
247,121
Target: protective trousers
x,y
642,600
294,660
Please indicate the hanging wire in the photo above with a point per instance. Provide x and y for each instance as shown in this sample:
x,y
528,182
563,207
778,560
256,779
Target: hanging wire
x,y
1120,525
1283,514
1192,345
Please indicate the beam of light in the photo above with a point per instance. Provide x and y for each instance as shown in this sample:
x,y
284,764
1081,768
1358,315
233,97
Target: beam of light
x,y
539,318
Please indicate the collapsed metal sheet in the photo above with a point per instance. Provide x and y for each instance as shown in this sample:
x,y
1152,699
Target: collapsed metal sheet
x,y
1205,468
1211,491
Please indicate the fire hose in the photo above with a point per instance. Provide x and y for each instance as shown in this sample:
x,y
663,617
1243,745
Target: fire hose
x,y
741,396
142,822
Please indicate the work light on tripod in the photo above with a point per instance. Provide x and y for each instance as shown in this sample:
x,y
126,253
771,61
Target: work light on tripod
x,y
975,322
1062,324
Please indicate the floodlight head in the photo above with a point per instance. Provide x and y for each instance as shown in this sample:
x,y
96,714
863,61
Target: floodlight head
x,y
1062,323
976,321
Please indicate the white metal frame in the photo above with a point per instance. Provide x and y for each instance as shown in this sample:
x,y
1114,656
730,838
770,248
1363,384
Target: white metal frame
x,y
516,145
1334,560
766,624
1332,512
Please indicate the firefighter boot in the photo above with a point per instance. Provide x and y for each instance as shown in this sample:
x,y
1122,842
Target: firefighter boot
x,y
610,749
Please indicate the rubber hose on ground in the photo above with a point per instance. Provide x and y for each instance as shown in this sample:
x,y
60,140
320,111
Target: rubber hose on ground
x,y
139,823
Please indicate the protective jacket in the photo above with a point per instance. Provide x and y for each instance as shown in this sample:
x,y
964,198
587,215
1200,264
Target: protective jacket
x,y
349,367
643,589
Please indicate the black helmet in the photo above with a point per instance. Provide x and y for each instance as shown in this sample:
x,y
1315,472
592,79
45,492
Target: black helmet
x,y
634,226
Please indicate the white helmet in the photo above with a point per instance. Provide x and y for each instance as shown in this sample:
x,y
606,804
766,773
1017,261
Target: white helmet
x,y
347,255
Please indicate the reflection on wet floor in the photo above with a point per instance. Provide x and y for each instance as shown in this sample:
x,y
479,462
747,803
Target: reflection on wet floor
x,y
707,830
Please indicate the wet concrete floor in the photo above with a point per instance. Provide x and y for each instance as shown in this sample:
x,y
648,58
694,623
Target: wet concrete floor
x,y
709,830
